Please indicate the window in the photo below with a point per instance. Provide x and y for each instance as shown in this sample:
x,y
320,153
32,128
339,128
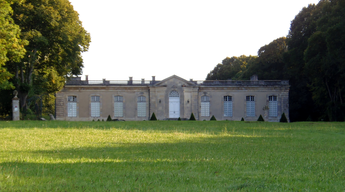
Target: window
x,y
205,106
95,106
174,94
272,106
227,106
141,106
250,106
72,106
118,106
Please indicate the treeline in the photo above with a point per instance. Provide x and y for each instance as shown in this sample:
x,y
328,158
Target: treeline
x,y
41,42
311,57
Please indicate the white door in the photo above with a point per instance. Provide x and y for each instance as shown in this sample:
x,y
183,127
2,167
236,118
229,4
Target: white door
x,y
174,107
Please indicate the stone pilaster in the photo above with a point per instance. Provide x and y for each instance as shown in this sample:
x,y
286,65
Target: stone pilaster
x,y
15,109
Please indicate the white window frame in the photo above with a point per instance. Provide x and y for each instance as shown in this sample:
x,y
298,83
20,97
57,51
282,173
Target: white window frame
x,y
272,106
95,106
205,106
72,106
141,106
250,106
118,106
227,106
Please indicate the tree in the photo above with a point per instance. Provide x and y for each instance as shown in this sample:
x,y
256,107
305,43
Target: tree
x,y
11,46
231,68
56,40
325,61
300,97
269,64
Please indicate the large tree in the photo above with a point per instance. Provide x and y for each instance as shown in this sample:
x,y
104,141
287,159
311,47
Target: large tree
x,y
302,27
56,40
11,46
231,68
269,64
325,61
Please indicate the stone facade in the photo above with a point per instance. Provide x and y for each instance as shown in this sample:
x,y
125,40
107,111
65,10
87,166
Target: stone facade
x,y
171,98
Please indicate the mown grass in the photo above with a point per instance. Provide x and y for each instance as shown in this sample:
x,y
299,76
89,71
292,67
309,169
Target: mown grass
x,y
171,156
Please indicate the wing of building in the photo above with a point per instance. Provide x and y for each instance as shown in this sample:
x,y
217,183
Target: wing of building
x,y
172,98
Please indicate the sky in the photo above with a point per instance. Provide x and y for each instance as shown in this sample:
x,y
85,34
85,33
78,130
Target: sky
x,y
187,38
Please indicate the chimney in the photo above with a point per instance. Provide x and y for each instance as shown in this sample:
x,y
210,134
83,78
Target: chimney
x,y
153,79
142,81
86,78
130,82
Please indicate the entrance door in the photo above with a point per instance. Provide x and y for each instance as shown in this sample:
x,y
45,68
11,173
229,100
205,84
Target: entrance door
x,y
174,104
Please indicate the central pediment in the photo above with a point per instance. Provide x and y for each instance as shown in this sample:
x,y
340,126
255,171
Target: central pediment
x,y
174,80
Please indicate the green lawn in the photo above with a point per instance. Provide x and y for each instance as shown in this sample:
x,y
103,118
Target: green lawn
x,y
171,156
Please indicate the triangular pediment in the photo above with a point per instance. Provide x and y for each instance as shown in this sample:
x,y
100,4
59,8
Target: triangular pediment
x,y
174,79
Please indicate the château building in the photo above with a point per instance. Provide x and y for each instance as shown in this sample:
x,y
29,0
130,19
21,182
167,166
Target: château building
x,y
171,98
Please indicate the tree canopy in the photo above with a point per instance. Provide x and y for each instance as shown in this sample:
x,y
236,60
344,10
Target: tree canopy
x,y
11,45
43,45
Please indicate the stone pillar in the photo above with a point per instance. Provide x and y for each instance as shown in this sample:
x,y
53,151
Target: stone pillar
x,y
15,107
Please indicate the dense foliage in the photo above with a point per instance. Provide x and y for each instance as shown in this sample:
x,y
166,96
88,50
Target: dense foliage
x,y
311,57
47,39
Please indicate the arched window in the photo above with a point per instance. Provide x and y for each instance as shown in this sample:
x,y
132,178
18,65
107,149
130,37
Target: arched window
x,y
272,105
72,106
141,106
118,106
227,106
205,106
250,106
174,94
95,106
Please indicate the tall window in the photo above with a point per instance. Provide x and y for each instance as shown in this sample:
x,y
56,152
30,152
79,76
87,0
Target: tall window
x,y
250,106
273,105
72,106
118,106
227,106
205,106
141,106
95,106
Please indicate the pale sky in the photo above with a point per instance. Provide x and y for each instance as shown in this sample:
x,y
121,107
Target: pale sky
x,y
188,38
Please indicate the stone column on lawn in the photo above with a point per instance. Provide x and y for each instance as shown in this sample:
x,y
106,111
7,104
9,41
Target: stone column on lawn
x,y
15,107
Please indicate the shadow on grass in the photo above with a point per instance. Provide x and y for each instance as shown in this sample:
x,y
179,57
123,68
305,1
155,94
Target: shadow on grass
x,y
213,163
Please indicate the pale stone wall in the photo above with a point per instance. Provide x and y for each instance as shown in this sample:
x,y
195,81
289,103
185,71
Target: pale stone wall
x,y
106,94
157,100
239,94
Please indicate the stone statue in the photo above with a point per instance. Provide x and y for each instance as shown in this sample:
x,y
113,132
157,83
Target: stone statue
x,y
15,93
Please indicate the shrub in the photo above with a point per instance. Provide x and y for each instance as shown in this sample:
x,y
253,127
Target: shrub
x,y
213,118
242,119
261,118
102,119
98,120
153,117
283,119
192,118
93,120
179,119
109,118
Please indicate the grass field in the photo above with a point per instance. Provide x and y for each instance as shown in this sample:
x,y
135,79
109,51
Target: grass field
x,y
171,156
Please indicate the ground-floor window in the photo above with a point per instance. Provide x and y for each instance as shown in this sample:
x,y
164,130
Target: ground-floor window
x,y
72,106
95,106
227,106
273,106
205,106
141,106
250,102
118,106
